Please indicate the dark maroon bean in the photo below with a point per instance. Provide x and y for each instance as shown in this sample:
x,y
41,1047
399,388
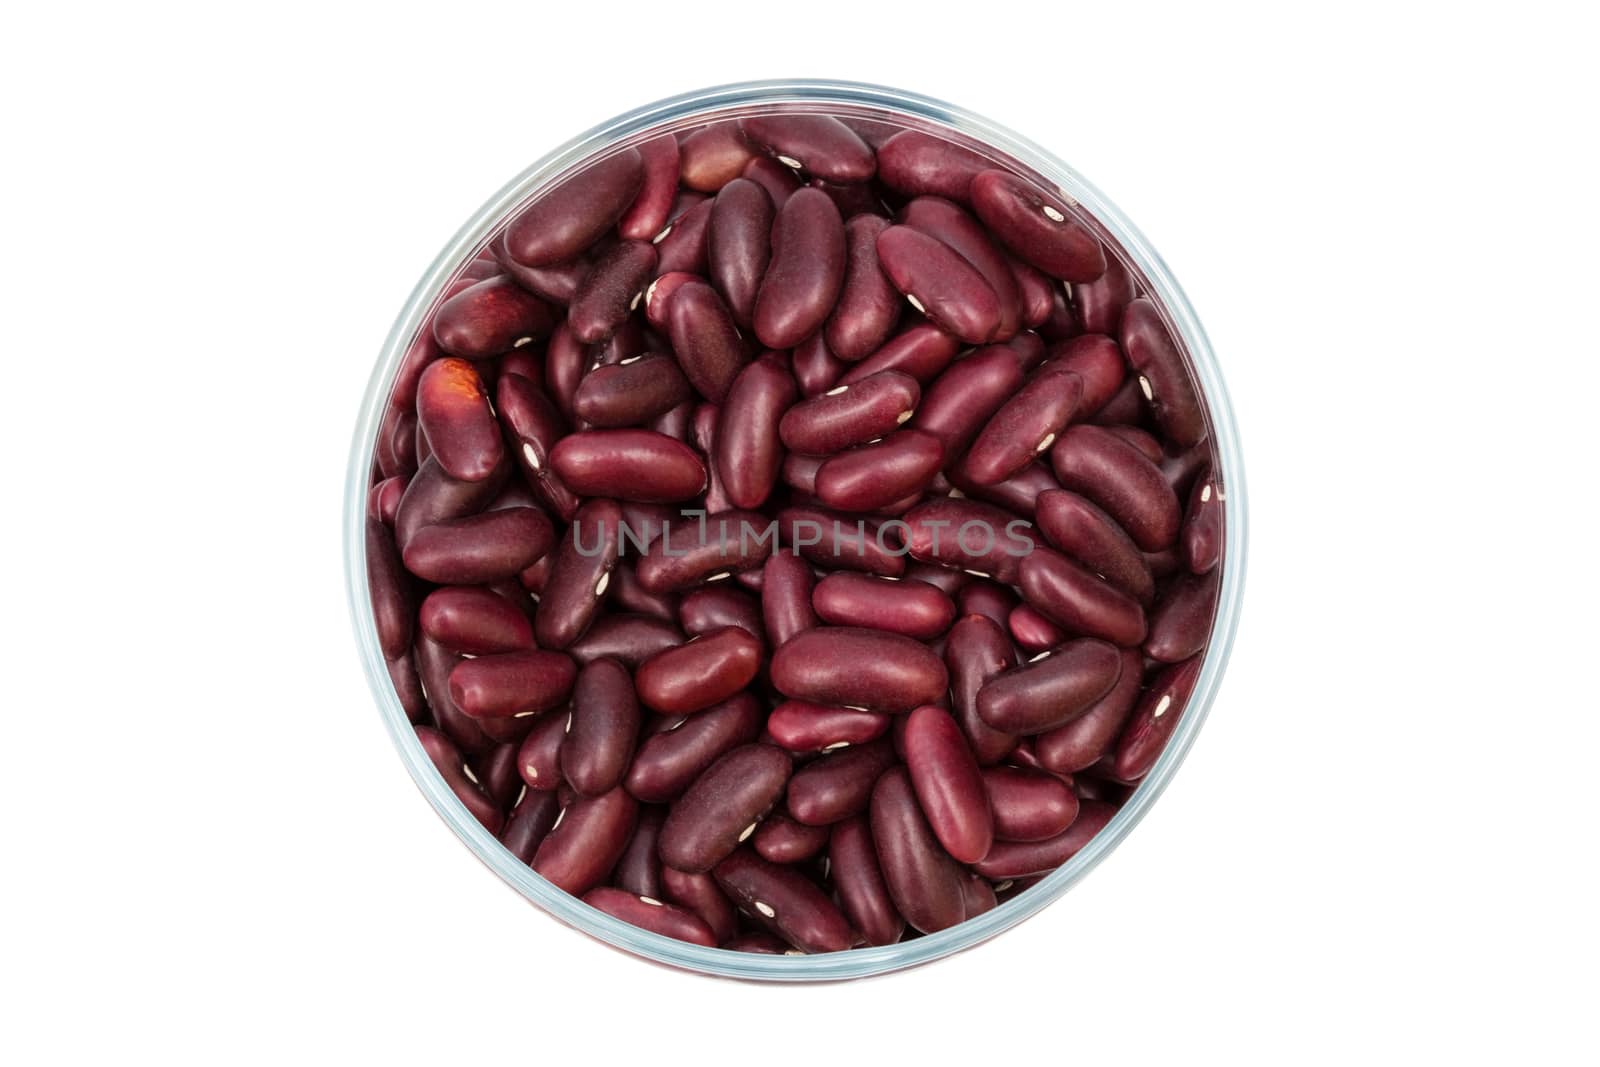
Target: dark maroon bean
x,y
779,839
677,423
1180,625
446,759
921,351
1032,631
761,943
668,762
639,869
700,894
632,392
976,651
651,914
408,687
987,598
915,609
1143,440
853,867
629,639
396,450
566,361
611,289
805,274
1126,406
630,465
698,549
1112,473
1077,745
815,368
924,883
704,672
530,823
723,806
432,496
938,282
1184,469
705,340
534,425
508,684
785,901
1028,805
682,247
858,668
1009,859
717,606
1018,494
497,774
739,245
1036,227
1100,302
778,180
801,726
820,145
659,185
554,282
1201,535
849,415
914,163
582,571
390,589
586,842
539,754
1162,375
491,317
950,225
605,727
748,452
839,784
474,620
1051,689
1091,537
434,663
658,296
1037,291
713,156
786,597
875,475
1030,349
575,212
958,403
869,304
422,351
949,787
1024,426
479,548
978,538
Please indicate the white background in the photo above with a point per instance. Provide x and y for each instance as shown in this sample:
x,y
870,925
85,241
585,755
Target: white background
x,y
1380,849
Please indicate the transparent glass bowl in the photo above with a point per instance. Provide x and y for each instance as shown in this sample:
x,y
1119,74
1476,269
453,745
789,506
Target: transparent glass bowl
x,y
850,100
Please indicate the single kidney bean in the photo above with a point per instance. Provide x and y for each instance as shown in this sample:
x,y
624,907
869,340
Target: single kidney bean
x,y
858,668
639,869
849,415
611,289
1163,377
713,156
801,726
390,588
830,539
786,597
682,247
658,187
1072,597
529,824
554,283
539,754
976,651
915,609
1096,359
1028,805
1181,622
869,305
747,449
651,914
586,842
1018,493
605,726
739,244
408,687
498,776
1125,408
582,571
1024,426
700,549
939,283
396,450
700,894
512,683
479,548
668,762
1037,291
628,639
1143,440
629,464
1032,631
632,392
658,296
978,538
815,368
1038,228
1201,536
490,317
914,163
566,360
1095,462
949,787
534,425
432,496
959,402
778,180
989,599
706,671
723,806
855,198
573,214
921,351
924,883
839,784
1091,537
875,475
820,145
472,619
705,340
434,663
1017,859
446,759
863,897
714,607
779,839
1077,745
1051,689
786,901
806,271
948,223
1100,302
1030,349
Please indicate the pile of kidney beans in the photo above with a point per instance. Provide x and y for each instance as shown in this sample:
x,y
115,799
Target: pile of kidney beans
x,y
772,550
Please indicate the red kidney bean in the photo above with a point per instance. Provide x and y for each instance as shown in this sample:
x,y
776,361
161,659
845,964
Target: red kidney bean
x,y
833,540
748,452
632,392
869,304
949,787
434,663
921,351
1162,375
1018,493
1028,805
1092,538
778,180
1180,625
924,883
474,620
858,668
479,548
838,784
849,415
453,411
700,894
396,450
705,339
574,213
490,317
611,289
529,824
914,163
668,762
1096,359
1112,473
1030,349
582,571
1032,631
432,496
554,282
1024,426
1072,597
586,842
915,609
989,599
1201,535
639,869
446,759
950,225
1036,227
815,368
1051,689
651,914
976,651
723,806
700,549
939,283
806,271
1184,469
785,901
706,671
1018,859
801,726
779,839
659,185
408,687
534,425
629,464
539,754
820,145
713,156
1100,302
508,684
715,607
682,247
1144,441
959,402
978,538
1037,291
863,897
629,639
658,296
605,727
497,774
875,475
786,597
1077,745
390,588
566,360
739,244
856,198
